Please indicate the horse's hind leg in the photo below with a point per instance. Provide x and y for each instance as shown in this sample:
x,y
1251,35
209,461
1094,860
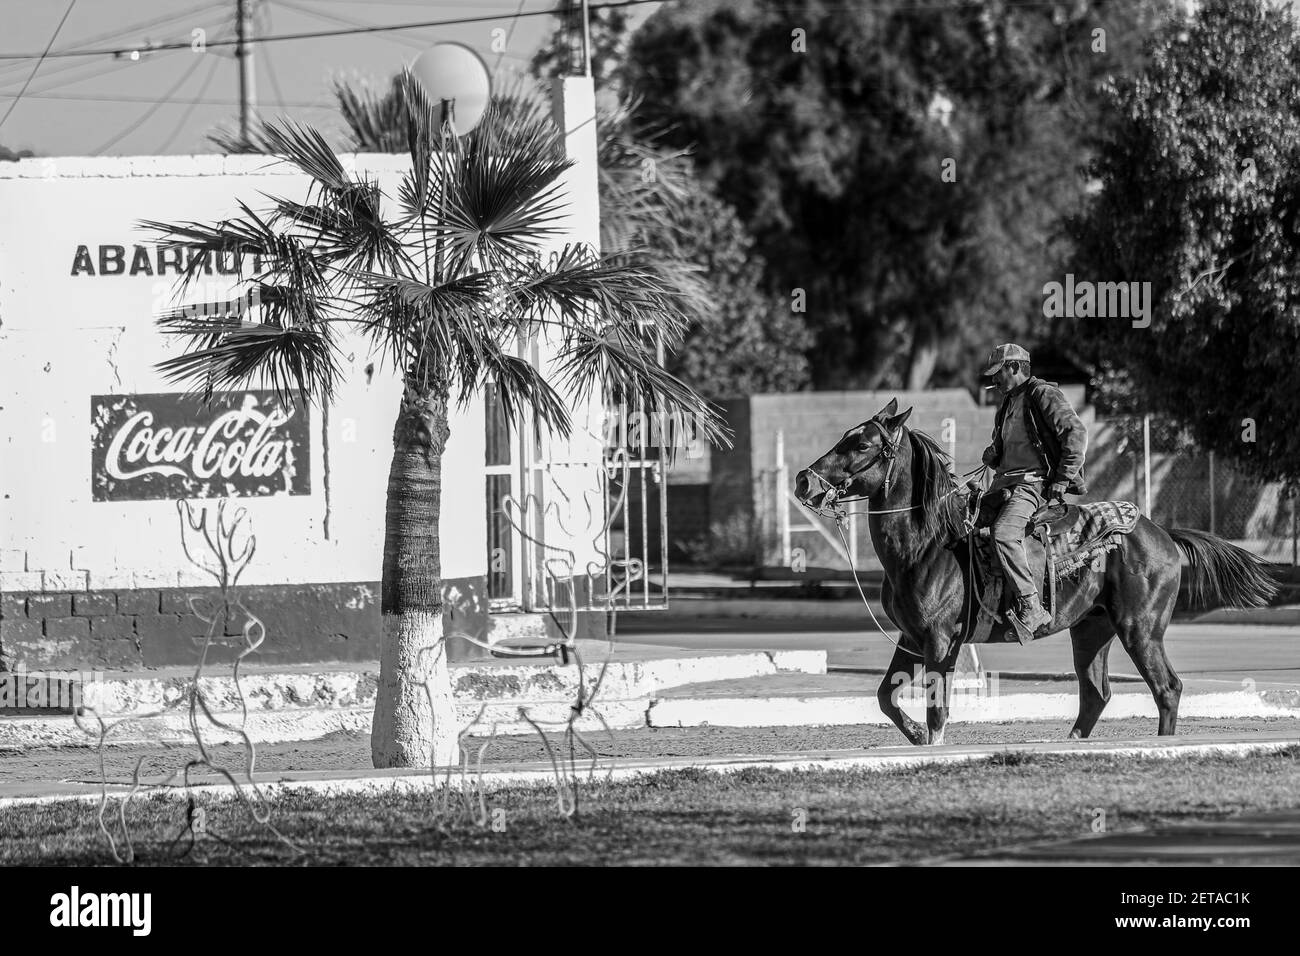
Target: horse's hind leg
x,y
1091,638
1145,644
1141,627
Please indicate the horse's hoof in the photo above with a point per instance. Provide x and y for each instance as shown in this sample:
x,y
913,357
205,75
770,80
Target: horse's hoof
x,y
1076,735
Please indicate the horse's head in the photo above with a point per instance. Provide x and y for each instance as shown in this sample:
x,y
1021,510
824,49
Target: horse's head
x,y
858,465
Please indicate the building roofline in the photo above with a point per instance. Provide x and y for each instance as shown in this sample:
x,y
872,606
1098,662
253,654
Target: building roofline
x,y
212,164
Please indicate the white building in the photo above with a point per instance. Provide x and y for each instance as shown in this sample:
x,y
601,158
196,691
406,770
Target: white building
x,y
92,569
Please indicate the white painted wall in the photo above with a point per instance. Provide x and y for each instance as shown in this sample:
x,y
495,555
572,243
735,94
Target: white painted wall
x,y
64,338
574,509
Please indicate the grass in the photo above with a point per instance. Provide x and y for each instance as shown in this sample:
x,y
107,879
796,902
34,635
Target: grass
x,y
694,816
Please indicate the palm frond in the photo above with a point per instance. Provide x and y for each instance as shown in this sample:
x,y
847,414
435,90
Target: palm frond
x,y
239,237
307,149
348,228
521,389
608,363
644,186
250,354
434,331
375,120
422,123
580,287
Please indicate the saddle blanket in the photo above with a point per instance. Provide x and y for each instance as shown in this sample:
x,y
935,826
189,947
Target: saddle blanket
x,y
1083,535
1092,532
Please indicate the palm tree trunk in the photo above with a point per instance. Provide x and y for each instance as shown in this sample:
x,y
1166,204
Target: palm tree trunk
x,y
415,715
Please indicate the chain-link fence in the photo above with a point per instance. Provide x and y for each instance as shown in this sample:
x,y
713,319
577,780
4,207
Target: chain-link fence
x,y
1190,487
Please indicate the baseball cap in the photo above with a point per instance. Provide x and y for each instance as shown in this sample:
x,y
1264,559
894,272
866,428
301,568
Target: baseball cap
x,y
1005,353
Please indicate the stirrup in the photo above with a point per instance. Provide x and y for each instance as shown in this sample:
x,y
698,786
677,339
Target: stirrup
x,y
1023,634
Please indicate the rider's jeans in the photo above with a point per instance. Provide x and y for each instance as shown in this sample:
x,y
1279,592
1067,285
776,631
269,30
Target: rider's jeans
x,y
1009,536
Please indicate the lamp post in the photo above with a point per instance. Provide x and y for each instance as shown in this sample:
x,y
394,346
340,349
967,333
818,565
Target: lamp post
x,y
457,78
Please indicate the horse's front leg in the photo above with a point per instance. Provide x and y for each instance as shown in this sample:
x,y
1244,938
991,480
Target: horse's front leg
x,y
897,676
940,662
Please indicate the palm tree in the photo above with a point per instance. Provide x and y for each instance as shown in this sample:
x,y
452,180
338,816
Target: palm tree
x,y
645,187
445,289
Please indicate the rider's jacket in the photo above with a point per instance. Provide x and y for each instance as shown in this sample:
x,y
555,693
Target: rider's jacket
x,y
1053,429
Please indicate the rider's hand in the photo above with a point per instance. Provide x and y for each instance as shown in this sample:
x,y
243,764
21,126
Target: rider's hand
x,y
1056,490
989,457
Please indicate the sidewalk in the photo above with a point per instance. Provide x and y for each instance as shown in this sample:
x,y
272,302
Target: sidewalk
x,y
641,686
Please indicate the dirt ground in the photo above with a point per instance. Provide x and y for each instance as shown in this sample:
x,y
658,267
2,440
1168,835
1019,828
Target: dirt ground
x,y
351,751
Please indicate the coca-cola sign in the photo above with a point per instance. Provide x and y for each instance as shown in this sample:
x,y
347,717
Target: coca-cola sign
x,y
178,446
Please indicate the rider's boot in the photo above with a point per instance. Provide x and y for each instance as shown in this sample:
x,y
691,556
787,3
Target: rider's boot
x,y
1031,613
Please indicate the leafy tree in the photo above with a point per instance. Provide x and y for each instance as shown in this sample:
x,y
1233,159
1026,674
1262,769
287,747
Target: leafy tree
x,y
654,204
652,199
448,319
750,340
1200,196
827,126
609,30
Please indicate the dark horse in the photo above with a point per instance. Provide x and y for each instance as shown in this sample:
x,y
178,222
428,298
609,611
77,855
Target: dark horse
x,y
916,515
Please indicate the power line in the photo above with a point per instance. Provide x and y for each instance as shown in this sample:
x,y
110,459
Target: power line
x,y
210,101
31,76
118,137
410,42
212,71
130,29
98,69
351,31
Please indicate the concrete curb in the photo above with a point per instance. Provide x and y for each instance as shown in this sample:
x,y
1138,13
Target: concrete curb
x,y
305,705
338,783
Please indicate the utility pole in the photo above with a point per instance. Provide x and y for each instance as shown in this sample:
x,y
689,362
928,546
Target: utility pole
x,y
586,40
244,53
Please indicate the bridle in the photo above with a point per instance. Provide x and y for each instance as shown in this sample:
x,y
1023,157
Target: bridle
x,y
828,509
834,493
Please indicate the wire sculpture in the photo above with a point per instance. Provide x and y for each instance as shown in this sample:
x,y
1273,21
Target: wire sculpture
x,y
605,576
561,577
224,563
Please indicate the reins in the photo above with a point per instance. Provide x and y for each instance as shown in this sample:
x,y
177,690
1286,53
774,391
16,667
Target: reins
x,y
828,508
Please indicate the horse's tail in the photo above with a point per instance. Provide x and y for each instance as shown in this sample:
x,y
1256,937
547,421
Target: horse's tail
x,y
1221,574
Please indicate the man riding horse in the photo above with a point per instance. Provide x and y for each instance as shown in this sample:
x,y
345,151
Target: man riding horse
x,y
1037,454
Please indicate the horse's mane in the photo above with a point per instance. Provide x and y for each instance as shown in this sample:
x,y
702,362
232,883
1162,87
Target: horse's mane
x,y
938,499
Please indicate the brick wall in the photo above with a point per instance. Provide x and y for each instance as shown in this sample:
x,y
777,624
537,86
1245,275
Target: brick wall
x,y
154,627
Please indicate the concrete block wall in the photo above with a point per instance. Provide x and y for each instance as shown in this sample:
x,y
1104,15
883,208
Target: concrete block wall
x,y
810,423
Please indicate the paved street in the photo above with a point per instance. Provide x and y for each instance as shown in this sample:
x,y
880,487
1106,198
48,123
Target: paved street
x,y
1224,653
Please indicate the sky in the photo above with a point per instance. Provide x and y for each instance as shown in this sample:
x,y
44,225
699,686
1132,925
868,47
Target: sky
x,y
167,101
